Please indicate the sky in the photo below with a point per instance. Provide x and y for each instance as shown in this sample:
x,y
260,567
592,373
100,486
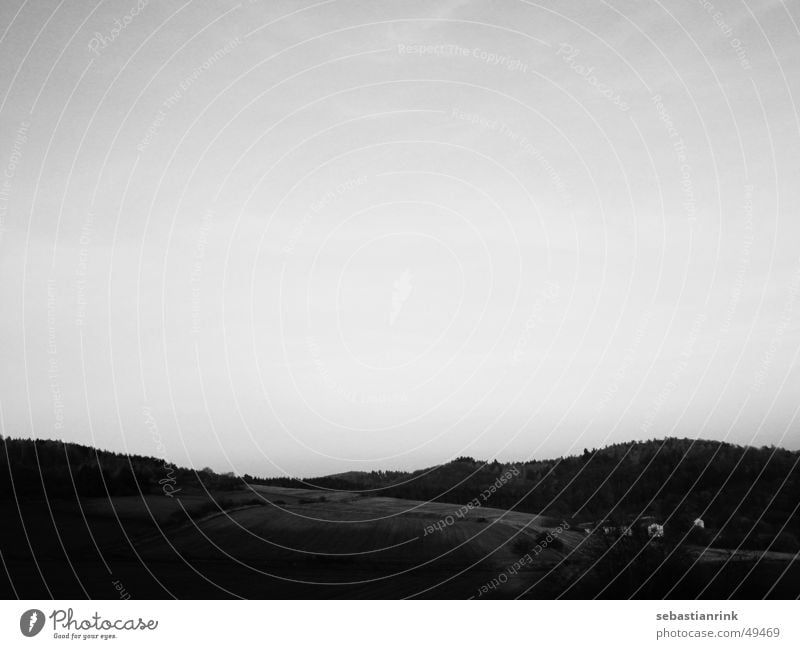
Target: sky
x,y
304,238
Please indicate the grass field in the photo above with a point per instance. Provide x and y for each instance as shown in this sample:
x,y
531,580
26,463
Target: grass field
x,y
272,542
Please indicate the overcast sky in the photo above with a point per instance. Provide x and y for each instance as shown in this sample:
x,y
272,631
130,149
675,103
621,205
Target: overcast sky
x,y
311,237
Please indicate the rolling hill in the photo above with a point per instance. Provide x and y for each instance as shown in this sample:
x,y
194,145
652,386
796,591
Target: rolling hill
x,y
462,529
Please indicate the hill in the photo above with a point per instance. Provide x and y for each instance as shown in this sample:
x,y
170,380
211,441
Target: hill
x,y
746,496
78,522
63,470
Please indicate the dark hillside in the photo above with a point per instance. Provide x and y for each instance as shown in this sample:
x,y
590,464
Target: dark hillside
x,y
744,495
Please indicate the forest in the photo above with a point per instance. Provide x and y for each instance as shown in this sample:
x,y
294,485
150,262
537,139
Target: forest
x,y
62,470
746,496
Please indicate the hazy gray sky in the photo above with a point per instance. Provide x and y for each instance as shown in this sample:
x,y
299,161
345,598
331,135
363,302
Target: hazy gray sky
x,y
310,237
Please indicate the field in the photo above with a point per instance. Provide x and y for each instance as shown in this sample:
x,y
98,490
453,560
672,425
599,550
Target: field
x,y
273,542
268,542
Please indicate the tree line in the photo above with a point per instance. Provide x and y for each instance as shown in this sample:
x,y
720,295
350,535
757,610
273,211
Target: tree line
x,y
62,470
